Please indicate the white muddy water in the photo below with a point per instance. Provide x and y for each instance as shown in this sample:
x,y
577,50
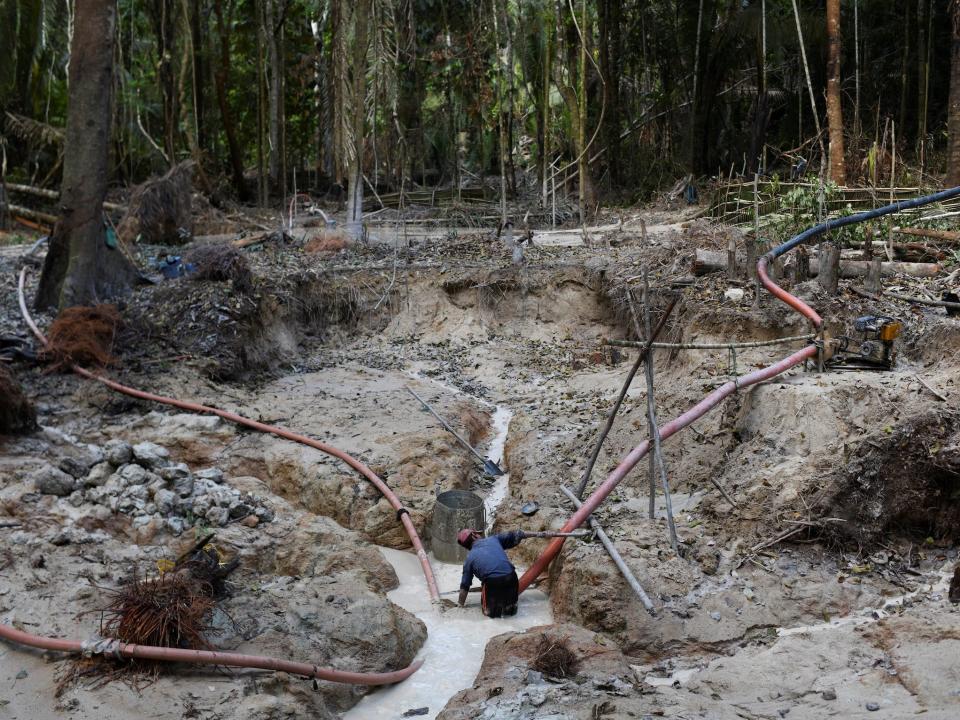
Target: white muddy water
x,y
456,640
501,424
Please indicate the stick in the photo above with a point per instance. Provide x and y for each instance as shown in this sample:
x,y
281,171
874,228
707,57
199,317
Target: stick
x,y
907,298
711,346
652,418
935,393
645,349
445,424
949,236
614,555
651,470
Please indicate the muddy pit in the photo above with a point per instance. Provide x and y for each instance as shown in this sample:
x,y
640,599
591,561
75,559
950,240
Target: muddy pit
x,y
857,471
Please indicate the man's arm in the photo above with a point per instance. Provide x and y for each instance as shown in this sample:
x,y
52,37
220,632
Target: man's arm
x,y
465,582
511,539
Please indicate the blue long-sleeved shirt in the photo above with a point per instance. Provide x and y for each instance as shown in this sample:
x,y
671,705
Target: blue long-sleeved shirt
x,y
487,558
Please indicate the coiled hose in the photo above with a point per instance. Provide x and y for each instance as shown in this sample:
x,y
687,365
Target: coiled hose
x,y
718,395
221,658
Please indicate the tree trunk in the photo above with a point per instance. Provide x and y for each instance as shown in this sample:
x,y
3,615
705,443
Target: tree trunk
x,y
163,15
829,267
953,112
838,172
80,268
362,11
222,79
274,33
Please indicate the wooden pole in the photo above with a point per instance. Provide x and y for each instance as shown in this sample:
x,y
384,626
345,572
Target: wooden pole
x,y
652,418
641,356
614,555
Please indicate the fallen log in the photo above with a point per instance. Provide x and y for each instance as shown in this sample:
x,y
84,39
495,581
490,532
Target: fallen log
x,y
22,212
951,236
54,195
710,261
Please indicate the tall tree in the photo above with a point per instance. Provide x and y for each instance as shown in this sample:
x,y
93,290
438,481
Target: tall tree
x,y
838,172
81,268
953,111
222,82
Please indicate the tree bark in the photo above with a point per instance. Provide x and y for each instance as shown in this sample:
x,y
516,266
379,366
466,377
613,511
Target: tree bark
x,y
838,172
953,112
80,268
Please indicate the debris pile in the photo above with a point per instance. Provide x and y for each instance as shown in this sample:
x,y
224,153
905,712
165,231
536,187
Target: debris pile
x,y
16,413
160,210
141,481
222,262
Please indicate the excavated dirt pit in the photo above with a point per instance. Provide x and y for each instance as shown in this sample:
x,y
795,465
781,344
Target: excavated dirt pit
x,y
856,471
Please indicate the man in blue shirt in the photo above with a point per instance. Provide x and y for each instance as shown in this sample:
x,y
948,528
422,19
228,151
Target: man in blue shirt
x,y
487,561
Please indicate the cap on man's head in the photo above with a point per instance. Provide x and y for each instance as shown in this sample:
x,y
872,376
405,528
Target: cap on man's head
x,y
466,537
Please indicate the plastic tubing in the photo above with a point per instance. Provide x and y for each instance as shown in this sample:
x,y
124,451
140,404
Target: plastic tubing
x,y
718,395
211,657
402,514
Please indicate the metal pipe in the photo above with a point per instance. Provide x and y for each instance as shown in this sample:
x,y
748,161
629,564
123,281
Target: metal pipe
x,y
714,398
402,513
614,554
211,657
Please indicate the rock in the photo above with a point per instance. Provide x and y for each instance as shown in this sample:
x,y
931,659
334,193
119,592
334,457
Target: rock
x,y
534,677
118,452
716,616
53,481
201,505
74,467
537,698
171,473
829,694
166,501
98,474
239,509
151,455
872,706
734,294
175,525
218,516
76,498
416,711
132,474
213,474
250,521
265,514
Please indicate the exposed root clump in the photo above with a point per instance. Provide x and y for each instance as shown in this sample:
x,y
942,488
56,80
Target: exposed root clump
x,y
222,262
170,611
328,241
555,658
903,479
159,212
16,413
84,336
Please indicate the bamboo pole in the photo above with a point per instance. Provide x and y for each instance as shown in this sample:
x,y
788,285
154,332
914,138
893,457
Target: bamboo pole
x,y
614,555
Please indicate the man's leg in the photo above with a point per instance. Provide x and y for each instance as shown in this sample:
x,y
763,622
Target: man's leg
x,y
511,595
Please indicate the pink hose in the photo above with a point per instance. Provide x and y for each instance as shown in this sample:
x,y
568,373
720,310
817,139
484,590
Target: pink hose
x,y
206,657
402,513
674,426
210,657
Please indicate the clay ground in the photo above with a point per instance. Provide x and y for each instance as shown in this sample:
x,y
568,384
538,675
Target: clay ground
x,y
847,614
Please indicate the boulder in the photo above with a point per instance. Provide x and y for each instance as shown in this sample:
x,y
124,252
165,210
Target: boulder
x,y
53,481
118,452
151,455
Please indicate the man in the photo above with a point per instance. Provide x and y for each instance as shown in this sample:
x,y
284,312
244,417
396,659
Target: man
x,y
487,561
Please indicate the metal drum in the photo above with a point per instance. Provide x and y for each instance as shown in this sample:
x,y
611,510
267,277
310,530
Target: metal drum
x,y
454,511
